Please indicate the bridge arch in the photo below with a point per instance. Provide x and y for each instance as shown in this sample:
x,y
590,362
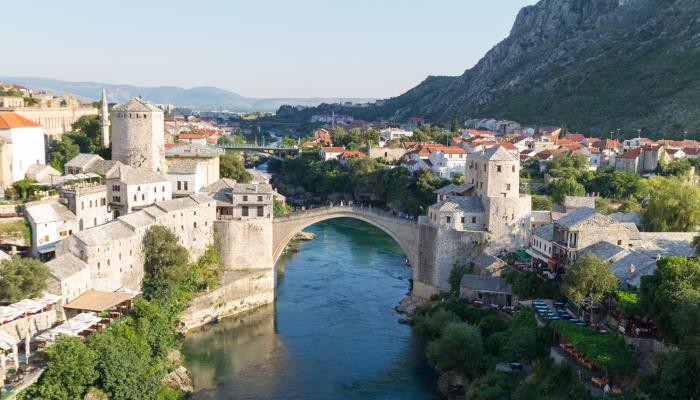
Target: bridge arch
x,y
404,232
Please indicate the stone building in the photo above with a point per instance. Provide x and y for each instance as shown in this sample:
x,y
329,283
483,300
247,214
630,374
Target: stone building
x,y
88,201
130,189
50,222
207,157
137,135
114,250
243,224
493,217
69,277
56,114
487,290
85,163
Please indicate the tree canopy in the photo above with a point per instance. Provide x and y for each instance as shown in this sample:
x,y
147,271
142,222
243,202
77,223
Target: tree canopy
x,y
588,278
21,278
673,205
232,166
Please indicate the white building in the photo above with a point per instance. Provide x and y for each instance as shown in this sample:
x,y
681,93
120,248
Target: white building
x,y
447,161
394,133
330,153
50,222
21,146
187,177
129,189
88,201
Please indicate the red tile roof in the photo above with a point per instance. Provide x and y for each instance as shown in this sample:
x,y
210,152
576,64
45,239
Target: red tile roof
x,y
333,149
9,120
452,150
631,154
189,136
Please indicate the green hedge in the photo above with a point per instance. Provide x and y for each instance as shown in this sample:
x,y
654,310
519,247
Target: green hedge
x,y
608,351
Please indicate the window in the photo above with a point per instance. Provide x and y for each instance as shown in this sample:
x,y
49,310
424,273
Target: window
x,y
498,168
484,166
103,201
179,185
244,212
513,168
185,184
473,220
507,186
163,190
143,197
82,205
245,198
195,224
462,220
116,199
138,188
260,198
116,188
261,211
90,204
155,189
619,242
448,219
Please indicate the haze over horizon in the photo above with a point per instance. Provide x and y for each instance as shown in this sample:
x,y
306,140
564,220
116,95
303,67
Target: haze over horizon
x,y
267,49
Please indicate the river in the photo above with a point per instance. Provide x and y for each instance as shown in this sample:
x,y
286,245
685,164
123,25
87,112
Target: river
x,y
332,333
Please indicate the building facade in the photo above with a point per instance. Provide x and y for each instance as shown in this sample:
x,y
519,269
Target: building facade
x,y
137,135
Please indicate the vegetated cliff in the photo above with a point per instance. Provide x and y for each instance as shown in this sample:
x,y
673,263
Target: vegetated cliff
x,y
595,65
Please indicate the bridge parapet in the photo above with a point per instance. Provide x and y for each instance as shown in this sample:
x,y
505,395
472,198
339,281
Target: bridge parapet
x,y
368,212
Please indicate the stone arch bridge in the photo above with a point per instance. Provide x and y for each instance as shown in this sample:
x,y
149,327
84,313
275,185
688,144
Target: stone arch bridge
x,y
404,231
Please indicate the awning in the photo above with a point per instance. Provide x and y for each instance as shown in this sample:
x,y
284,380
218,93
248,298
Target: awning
x,y
96,301
72,327
29,305
9,313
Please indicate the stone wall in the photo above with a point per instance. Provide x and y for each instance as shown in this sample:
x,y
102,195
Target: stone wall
x,y
241,291
509,222
138,142
245,244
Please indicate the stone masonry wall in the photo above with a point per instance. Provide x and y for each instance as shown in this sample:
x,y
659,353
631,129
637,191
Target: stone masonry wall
x,y
240,292
245,244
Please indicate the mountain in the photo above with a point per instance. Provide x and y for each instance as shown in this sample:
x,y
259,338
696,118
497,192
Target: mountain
x,y
594,65
199,97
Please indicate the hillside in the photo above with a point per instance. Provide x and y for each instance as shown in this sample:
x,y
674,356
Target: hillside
x,y
595,65
198,97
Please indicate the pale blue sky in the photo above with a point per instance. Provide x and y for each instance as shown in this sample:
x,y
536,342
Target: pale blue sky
x,y
263,48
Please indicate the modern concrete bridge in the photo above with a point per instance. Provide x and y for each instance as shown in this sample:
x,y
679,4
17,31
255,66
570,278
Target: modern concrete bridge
x,y
404,231
276,149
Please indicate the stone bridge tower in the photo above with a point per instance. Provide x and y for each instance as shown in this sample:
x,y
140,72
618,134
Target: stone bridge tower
x,y
137,135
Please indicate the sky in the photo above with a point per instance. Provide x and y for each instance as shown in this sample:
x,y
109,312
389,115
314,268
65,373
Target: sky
x,y
262,48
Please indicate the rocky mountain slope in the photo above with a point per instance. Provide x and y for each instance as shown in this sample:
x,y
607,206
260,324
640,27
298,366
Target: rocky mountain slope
x,y
595,65
198,97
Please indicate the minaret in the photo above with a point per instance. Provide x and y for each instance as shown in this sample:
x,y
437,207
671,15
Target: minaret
x,y
105,120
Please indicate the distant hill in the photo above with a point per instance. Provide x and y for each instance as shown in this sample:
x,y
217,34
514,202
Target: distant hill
x,y
198,98
594,65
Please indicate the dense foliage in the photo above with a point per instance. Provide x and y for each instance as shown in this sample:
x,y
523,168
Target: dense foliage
x,y
588,277
129,360
471,341
608,352
672,297
673,205
86,137
232,166
362,179
21,278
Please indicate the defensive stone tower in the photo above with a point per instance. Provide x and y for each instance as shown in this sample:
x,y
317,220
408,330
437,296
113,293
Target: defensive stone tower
x,y
105,120
495,174
137,135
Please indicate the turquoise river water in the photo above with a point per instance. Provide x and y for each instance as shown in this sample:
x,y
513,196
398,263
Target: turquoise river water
x,y
331,334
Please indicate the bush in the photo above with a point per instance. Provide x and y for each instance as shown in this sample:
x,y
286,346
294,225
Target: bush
x,y
608,352
459,348
541,203
430,325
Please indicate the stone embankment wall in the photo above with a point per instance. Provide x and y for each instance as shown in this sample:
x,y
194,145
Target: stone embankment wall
x,y
241,291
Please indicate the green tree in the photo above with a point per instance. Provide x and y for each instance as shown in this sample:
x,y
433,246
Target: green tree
x,y
288,141
673,205
165,263
231,166
70,371
459,348
127,371
431,325
21,278
676,376
672,297
588,278
561,188
456,275
63,151
541,203
679,167
280,208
